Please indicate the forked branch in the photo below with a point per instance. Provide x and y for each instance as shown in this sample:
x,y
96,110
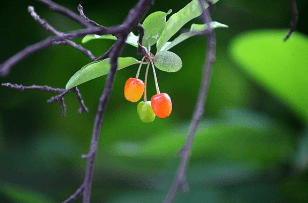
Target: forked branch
x,y
59,98
121,32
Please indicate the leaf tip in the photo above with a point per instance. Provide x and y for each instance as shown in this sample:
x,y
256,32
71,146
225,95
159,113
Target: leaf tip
x,y
68,86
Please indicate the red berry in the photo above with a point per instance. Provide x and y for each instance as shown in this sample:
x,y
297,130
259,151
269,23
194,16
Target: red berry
x,y
133,89
161,105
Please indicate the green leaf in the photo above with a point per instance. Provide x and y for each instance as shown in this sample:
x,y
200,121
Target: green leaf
x,y
153,26
21,195
280,67
88,38
194,30
178,20
131,38
168,61
97,69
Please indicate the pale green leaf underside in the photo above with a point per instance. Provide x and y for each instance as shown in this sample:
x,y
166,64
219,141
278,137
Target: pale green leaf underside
x,y
178,20
131,39
97,69
153,26
194,30
168,61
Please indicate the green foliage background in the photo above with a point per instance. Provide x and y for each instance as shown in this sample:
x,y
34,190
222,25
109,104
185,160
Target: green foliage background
x,y
252,145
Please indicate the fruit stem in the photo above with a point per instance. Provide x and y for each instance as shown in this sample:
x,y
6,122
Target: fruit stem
x,y
145,83
141,62
155,78
137,75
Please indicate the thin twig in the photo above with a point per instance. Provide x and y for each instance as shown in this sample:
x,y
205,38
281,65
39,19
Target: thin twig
x,y
80,9
293,20
48,27
33,87
141,50
105,55
185,152
83,107
63,106
56,7
58,98
8,64
75,195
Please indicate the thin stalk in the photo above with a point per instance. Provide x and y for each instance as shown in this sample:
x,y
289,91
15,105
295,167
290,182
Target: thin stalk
x,y
141,62
145,83
155,78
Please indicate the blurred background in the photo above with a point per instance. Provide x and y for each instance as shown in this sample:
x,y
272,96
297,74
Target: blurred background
x,y
251,146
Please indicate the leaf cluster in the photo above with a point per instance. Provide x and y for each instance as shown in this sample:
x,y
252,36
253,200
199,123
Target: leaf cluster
x,y
157,31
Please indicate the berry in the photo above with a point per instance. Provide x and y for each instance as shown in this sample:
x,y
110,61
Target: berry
x,y
161,105
145,112
133,89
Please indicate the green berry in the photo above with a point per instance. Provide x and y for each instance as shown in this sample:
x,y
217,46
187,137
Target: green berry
x,y
145,112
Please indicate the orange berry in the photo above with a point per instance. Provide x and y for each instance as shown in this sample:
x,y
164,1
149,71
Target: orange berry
x,y
133,89
161,105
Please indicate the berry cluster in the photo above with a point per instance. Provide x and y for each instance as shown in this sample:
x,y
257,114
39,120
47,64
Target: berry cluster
x,y
160,104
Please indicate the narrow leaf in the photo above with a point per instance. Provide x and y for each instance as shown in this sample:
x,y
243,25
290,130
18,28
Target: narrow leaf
x,y
168,61
97,69
194,30
153,26
179,19
131,39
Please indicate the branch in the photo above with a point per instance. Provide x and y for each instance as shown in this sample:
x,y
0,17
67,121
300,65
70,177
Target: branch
x,y
58,98
80,9
48,27
133,19
75,195
121,32
7,65
33,87
185,152
63,106
83,107
105,55
293,20
56,7
141,50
